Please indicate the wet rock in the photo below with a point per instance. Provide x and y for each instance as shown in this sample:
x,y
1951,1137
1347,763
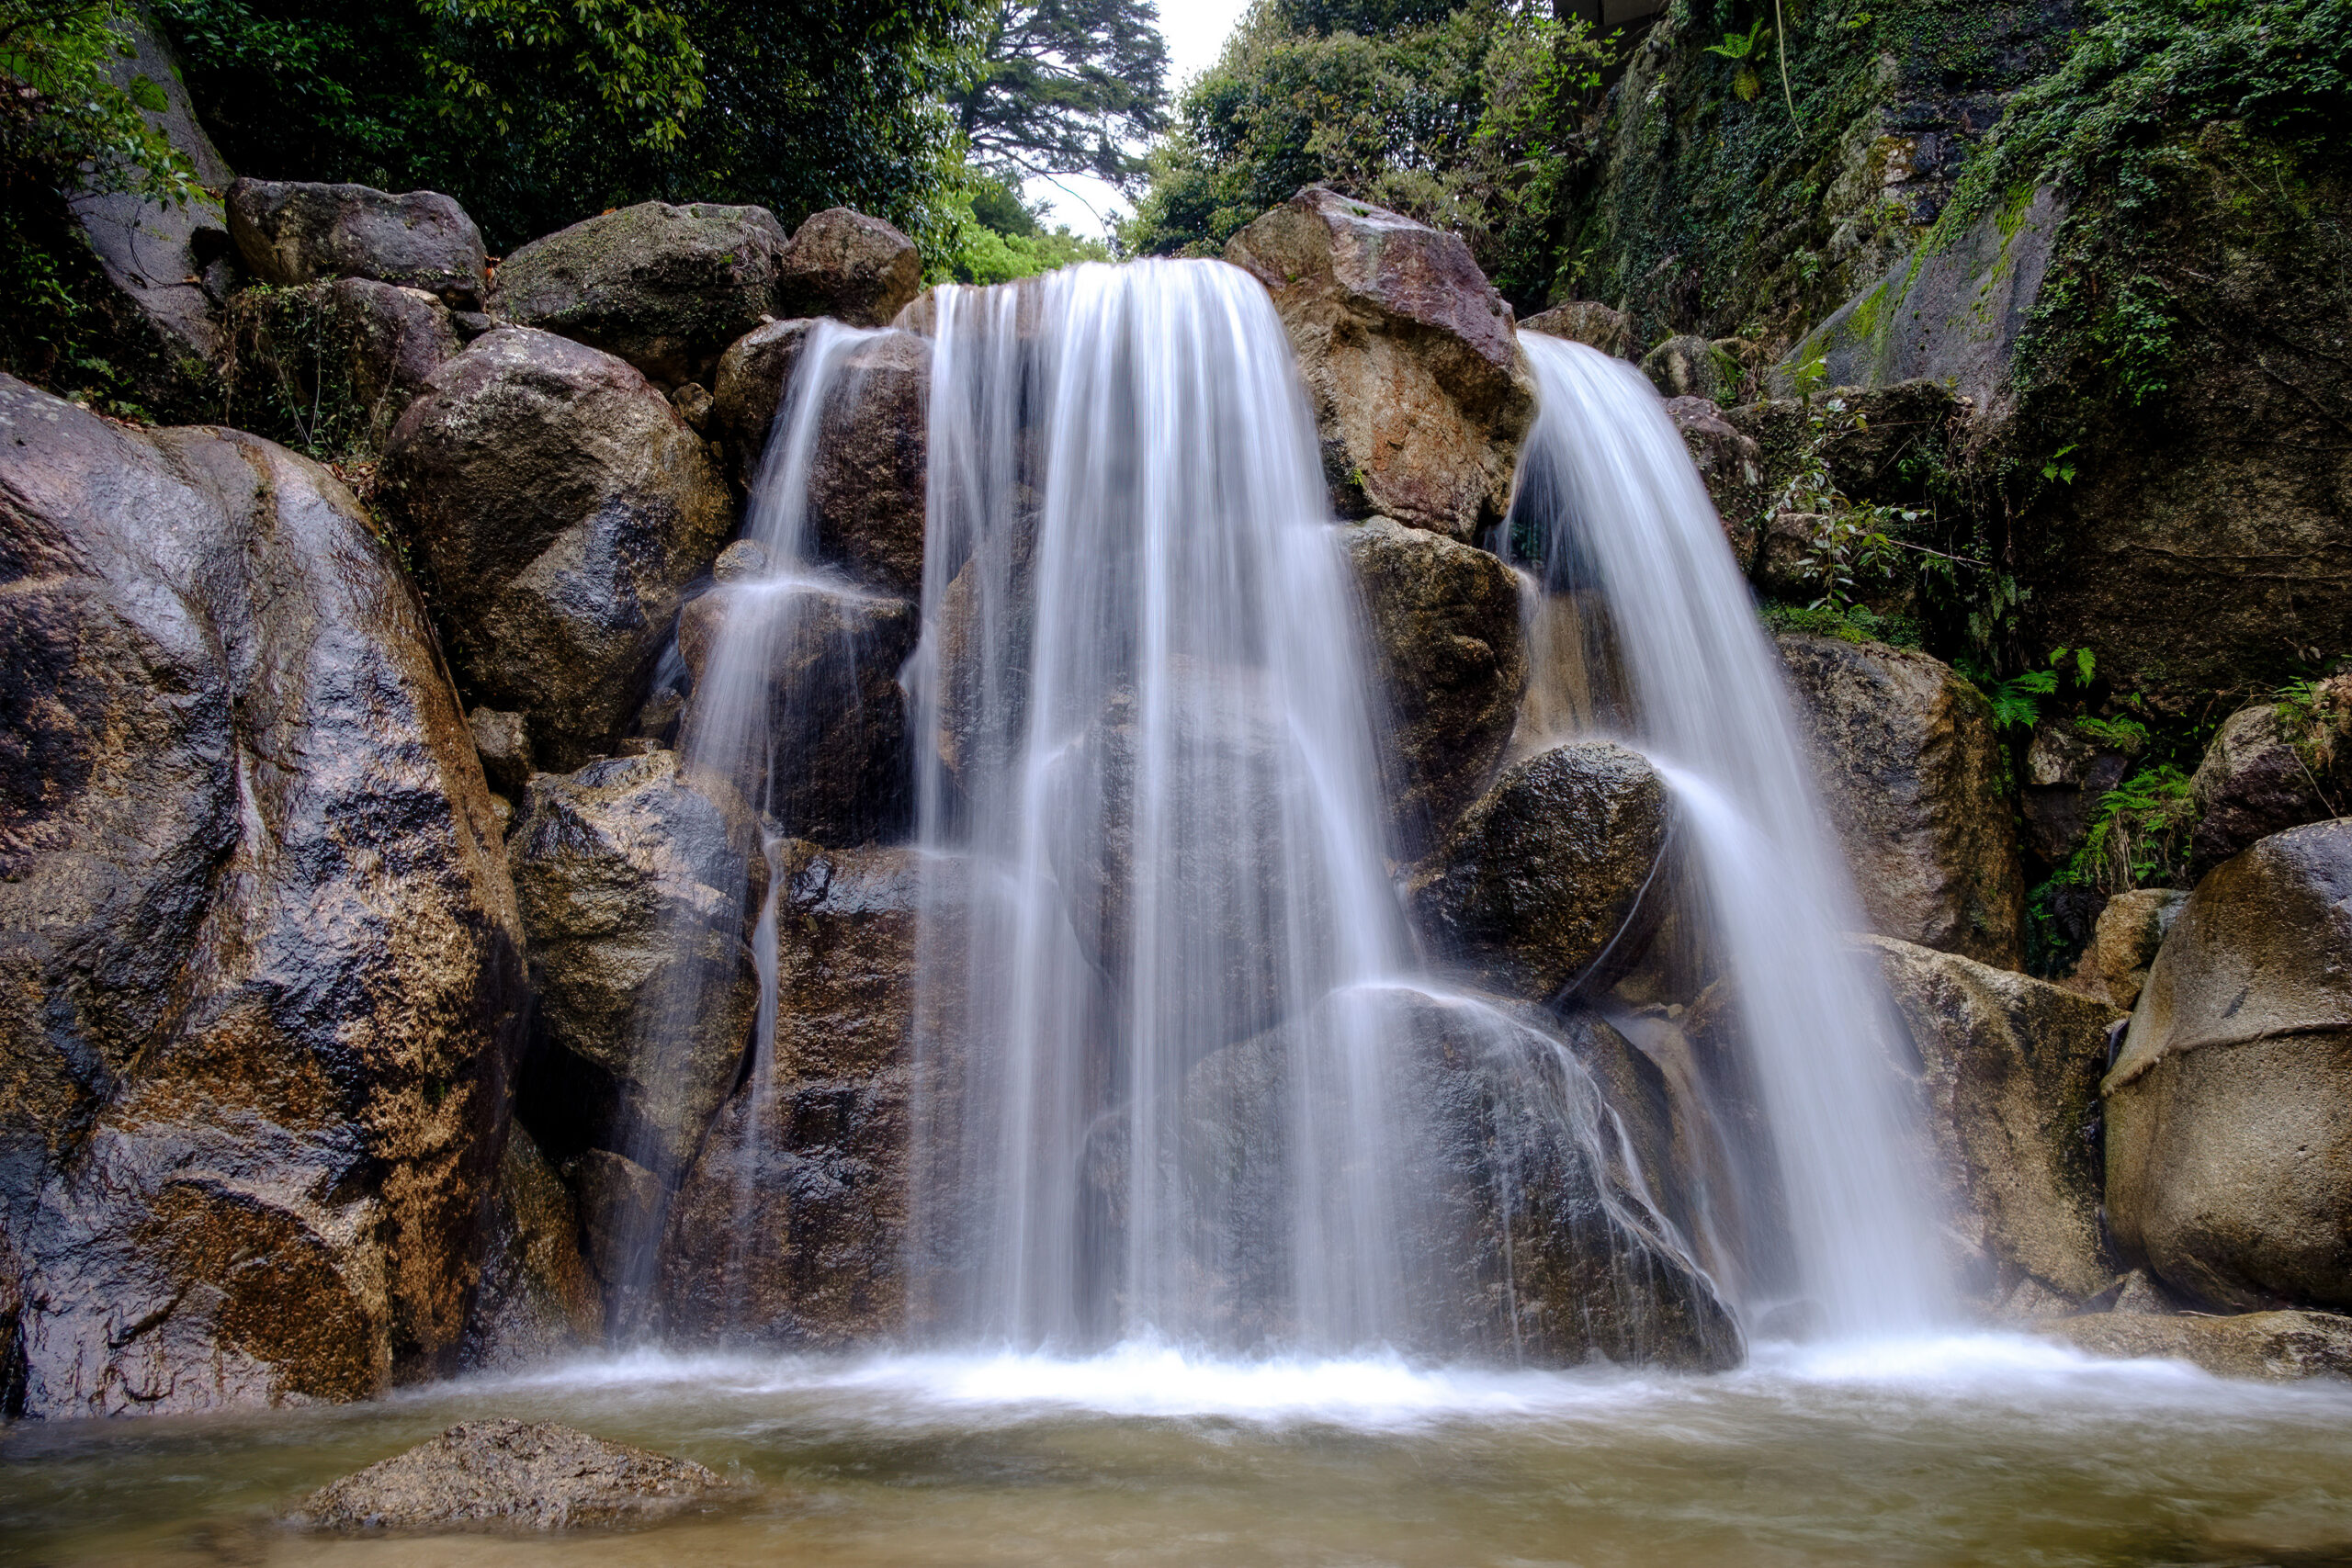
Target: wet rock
x,y
2229,1156
620,1205
1780,566
1586,322
844,264
835,763
1540,886
639,887
535,1299
2274,1347
2256,781
263,963
1521,1231
1689,366
1912,771
2067,771
561,507
398,337
748,386
1733,467
664,288
503,744
791,1229
2131,930
1448,652
511,1475
2009,1078
293,232
1409,357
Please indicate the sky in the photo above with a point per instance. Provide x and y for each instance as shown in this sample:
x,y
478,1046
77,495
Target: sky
x,y
1195,31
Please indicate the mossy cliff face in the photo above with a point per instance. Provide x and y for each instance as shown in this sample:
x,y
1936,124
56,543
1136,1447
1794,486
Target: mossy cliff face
x,y
1706,212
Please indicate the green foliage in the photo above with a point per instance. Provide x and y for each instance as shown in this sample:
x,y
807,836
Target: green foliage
x,y
289,373
2316,718
1062,86
1747,50
65,121
1850,623
2017,700
2123,733
2138,835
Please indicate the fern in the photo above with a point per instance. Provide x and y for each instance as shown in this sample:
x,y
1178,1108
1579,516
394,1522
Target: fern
x,y
2140,834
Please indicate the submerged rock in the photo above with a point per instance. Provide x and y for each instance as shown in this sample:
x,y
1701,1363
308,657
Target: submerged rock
x,y
1541,885
1409,357
2229,1155
1912,771
2274,1347
261,958
292,232
520,1476
1448,653
559,507
2009,1077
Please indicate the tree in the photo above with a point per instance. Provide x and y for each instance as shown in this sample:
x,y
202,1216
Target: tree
x,y
1065,88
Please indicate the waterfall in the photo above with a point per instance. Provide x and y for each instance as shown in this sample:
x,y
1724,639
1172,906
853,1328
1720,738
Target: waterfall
x,y
1612,516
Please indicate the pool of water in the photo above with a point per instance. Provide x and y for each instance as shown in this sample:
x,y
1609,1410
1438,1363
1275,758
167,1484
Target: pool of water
x,y
1947,1451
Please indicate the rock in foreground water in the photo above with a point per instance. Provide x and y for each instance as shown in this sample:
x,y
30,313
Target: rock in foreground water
x,y
513,1475
2274,1347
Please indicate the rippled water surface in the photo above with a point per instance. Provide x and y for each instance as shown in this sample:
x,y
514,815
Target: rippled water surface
x,y
1971,1451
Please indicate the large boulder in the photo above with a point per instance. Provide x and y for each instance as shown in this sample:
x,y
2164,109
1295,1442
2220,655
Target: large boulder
x,y
2271,1346
639,887
1732,465
664,288
2010,1070
2124,943
536,1300
853,268
344,358
864,485
1521,1229
292,231
796,697
791,1229
1586,322
2262,774
1688,367
1541,886
2229,1151
1447,651
1914,776
559,507
1408,356
263,964
510,1475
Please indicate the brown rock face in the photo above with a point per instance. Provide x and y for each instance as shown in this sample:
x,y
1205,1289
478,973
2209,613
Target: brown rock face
x,y
638,890
1540,886
791,1228
2274,1347
1409,356
1448,651
1693,367
263,960
510,1475
865,491
2228,1151
835,762
560,506
1733,467
847,266
1912,771
292,232
2011,1070
664,288
2130,931
1586,322
537,1299
2254,781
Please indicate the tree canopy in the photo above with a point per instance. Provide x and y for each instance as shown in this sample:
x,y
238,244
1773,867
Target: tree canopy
x,y
1065,88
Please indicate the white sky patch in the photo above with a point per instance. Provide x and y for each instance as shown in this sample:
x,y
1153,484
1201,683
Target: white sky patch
x,y
1195,31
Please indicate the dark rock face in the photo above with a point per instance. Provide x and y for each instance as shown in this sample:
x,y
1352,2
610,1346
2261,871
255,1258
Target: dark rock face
x,y
1912,773
1586,322
1732,465
1448,651
512,1475
560,506
293,232
847,266
265,962
2229,1155
835,765
1522,1233
1540,886
817,1152
353,339
1409,356
399,336
2065,773
1687,366
748,386
664,288
537,1299
2010,1081
638,889
2273,1347
2254,781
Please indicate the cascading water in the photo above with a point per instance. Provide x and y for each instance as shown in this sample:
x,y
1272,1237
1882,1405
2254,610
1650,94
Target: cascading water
x,y
1611,513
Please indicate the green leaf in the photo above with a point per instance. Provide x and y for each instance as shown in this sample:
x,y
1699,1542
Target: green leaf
x,y
148,94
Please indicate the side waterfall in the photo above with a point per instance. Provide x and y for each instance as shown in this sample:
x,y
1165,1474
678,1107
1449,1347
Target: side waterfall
x,y
1612,518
